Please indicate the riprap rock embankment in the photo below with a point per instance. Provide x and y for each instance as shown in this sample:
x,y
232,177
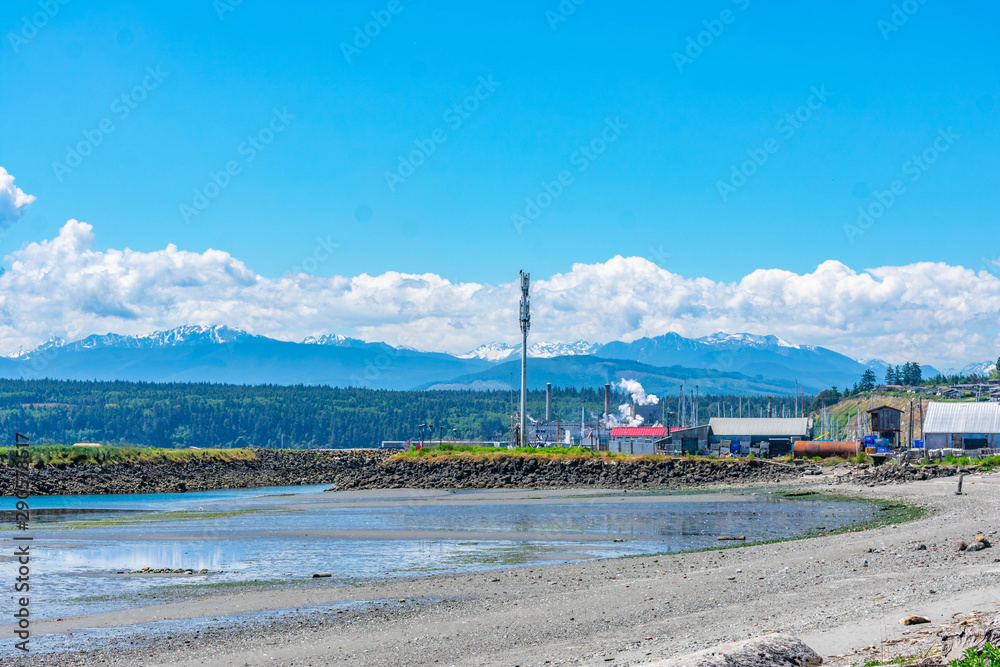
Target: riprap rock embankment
x,y
540,472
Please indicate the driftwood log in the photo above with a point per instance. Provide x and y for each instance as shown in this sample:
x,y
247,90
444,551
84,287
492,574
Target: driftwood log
x,y
769,651
957,644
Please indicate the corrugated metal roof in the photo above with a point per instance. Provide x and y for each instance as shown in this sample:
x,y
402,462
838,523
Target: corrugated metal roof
x,y
639,431
962,418
789,426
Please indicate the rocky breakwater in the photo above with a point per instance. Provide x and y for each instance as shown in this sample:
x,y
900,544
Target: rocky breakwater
x,y
894,473
543,472
265,467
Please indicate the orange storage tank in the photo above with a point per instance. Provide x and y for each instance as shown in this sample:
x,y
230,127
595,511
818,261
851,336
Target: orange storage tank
x,y
825,448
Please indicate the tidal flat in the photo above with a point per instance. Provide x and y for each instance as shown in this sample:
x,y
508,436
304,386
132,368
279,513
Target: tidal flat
x,y
401,556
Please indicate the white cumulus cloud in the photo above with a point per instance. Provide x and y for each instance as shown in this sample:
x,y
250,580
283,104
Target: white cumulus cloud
x,y
927,312
13,200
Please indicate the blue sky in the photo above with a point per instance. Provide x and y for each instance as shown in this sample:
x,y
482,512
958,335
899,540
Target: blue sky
x,y
652,193
822,171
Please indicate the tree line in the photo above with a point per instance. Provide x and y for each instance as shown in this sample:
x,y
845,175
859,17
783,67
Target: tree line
x,y
216,415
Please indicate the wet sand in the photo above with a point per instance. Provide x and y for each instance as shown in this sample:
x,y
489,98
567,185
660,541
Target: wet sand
x,y
830,591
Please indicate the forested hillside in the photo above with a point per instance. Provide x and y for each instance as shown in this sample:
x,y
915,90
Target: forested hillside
x,y
215,415
212,415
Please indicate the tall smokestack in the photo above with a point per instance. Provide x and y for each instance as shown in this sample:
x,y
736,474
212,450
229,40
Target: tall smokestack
x,y
607,400
548,401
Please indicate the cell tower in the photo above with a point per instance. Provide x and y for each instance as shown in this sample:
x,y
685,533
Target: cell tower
x,y
525,325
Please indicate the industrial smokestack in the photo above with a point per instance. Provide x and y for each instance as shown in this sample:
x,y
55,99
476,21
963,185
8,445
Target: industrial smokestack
x,y
548,401
607,400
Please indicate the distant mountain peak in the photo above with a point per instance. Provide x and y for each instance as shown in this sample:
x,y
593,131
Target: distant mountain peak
x,y
184,335
980,368
723,339
325,339
541,350
491,352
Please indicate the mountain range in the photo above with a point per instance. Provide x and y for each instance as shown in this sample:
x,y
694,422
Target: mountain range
x,y
720,363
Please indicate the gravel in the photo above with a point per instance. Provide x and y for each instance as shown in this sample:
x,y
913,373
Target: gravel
x,y
839,593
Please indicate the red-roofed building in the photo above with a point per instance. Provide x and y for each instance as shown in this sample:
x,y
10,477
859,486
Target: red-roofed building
x,y
636,439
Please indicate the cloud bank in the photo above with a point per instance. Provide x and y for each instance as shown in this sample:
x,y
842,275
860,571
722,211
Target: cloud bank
x,y
928,312
13,200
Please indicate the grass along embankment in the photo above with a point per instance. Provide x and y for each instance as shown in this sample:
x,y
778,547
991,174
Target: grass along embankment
x,y
65,455
60,470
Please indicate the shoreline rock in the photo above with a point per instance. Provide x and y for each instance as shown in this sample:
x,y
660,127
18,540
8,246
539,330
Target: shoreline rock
x,y
270,468
528,472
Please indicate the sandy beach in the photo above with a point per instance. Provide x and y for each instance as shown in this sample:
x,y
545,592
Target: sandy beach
x,y
838,593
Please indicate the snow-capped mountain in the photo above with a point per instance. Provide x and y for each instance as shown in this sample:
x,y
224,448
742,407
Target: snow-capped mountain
x,y
186,335
980,368
225,354
52,343
722,340
541,350
325,339
492,352
544,350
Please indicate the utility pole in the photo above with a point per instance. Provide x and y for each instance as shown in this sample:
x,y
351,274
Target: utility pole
x,y
920,406
680,405
910,443
525,319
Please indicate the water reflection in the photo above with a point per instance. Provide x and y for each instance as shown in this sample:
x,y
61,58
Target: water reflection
x,y
82,563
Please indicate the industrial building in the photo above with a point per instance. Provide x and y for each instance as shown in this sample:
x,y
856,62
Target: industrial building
x,y
765,436
962,426
761,436
692,440
635,439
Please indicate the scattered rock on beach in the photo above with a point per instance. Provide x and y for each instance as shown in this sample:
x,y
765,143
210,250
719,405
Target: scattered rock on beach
x,y
775,649
913,619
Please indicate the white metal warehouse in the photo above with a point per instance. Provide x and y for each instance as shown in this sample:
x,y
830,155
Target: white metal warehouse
x,y
962,425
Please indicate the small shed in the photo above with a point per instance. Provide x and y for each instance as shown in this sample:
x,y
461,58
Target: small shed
x,y
887,422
